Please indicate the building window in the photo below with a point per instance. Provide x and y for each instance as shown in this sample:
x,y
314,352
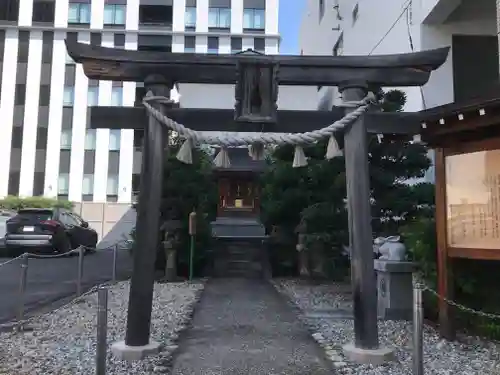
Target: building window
x,y
112,188
219,18
321,9
213,45
254,19
190,17
20,94
114,139
259,45
79,13
117,96
69,96
90,139
9,11
66,139
190,44
114,14
43,11
92,96
63,184
88,184
155,15
236,44
355,14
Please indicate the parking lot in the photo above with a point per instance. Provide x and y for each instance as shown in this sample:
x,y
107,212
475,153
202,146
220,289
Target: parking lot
x,y
50,280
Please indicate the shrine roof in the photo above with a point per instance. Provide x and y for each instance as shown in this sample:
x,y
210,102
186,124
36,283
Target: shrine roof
x,y
242,162
478,112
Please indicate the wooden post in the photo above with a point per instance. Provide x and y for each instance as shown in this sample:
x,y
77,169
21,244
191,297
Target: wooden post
x,y
360,229
147,227
445,282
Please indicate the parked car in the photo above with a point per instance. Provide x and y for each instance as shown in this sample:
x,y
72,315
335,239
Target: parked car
x,y
4,216
48,230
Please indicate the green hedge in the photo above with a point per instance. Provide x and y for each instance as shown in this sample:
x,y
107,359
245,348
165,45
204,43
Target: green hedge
x,y
16,203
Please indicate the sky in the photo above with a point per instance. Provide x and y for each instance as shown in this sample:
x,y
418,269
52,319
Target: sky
x,y
289,24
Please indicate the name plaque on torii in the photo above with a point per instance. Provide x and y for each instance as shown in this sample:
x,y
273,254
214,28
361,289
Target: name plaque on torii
x,y
257,78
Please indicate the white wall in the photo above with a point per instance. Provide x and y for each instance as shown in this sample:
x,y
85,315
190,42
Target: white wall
x,y
222,96
478,18
363,36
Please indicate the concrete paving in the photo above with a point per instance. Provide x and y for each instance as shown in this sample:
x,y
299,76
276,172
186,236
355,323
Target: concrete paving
x,y
50,280
244,326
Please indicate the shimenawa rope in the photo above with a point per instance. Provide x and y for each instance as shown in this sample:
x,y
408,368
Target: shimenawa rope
x,y
256,142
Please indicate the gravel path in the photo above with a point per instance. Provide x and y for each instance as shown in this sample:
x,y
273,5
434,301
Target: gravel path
x,y
475,357
63,342
244,327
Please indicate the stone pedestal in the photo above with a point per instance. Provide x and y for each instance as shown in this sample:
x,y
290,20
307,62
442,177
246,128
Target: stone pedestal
x,y
128,353
395,289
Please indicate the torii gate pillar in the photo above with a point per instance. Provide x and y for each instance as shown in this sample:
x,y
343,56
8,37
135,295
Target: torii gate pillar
x,y
365,348
137,344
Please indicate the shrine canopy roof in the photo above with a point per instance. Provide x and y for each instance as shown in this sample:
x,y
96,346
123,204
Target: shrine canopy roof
x,y
241,162
103,63
476,118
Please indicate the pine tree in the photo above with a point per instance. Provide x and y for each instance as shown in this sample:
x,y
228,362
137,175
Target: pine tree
x,y
316,195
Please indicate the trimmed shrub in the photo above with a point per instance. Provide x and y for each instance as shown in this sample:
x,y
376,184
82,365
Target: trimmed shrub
x,y
15,203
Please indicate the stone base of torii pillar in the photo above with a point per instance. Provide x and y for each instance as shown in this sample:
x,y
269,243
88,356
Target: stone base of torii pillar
x,y
374,357
129,353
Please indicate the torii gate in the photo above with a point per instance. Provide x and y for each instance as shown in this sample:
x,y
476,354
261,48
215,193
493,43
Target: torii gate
x,y
256,76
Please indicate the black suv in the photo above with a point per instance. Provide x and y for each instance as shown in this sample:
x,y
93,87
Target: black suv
x,y
48,230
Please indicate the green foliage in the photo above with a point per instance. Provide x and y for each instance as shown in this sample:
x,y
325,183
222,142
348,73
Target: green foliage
x,y
420,239
15,203
315,196
188,187
475,281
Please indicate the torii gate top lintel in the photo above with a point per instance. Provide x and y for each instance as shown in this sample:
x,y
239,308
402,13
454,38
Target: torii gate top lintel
x,y
407,69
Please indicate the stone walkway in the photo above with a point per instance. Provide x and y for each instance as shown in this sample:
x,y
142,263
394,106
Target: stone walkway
x,y
245,327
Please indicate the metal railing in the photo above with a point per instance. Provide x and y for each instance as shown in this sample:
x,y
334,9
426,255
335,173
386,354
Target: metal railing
x,y
24,266
21,322
419,287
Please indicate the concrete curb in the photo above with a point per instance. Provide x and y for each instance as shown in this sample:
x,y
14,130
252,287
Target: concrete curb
x,y
334,355
165,359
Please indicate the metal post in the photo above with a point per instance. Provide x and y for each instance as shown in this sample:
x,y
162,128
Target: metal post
x,y
192,234
81,253
418,335
115,254
191,258
102,331
148,224
360,229
22,287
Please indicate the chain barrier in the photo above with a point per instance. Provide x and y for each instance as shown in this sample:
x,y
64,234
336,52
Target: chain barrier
x,y
70,303
19,322
425,287
69,253
11,260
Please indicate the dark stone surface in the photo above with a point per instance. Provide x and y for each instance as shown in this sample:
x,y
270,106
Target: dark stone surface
x,y
243,327
237,227
52,280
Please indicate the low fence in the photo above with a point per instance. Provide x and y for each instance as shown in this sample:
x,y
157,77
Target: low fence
x,y
418,320
32,282
116,259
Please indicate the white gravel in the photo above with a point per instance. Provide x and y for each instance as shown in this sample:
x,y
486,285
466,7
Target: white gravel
x,y
64,342
469,357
